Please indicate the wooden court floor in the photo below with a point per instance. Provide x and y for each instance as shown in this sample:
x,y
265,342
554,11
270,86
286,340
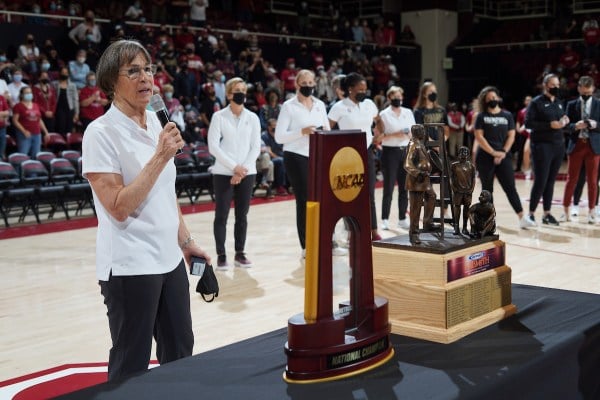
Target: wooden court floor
x,y
51,310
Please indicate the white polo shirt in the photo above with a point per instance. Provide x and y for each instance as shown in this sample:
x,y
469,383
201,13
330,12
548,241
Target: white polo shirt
x,y
393,123
293,117
146,242
350,115
234,141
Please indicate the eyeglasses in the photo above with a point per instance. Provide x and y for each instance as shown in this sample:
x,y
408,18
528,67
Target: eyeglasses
x,y
135,72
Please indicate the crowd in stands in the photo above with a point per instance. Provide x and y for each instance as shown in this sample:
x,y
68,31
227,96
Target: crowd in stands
x,y
193,62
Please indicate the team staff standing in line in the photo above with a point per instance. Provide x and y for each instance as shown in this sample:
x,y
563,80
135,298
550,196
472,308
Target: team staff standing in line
x,y
355,111
495,133
142,239
547,120
584,145
234,141
299,117
397,122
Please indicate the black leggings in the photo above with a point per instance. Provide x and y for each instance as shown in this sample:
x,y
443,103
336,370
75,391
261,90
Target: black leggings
x,y
546,158
392,165
296,167
241,195
504,172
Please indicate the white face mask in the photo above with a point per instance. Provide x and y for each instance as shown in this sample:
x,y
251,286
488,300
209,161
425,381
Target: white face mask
x,y
80,60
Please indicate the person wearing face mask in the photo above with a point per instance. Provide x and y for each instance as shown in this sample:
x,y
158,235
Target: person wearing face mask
x,y
210,104
67,103
397,122
29,55
288,77
300,116
584,145
547,120
427,110
86,30
44,95
27,120
271,109
15,87
355,111
78,69
4,115
92,101
234,141
219,85
495,133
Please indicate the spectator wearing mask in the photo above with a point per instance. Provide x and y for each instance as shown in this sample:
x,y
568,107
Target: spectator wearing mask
x,y
78,69
14,88
67,103
44,95
92,101
29,55
27,119
87,30
210,105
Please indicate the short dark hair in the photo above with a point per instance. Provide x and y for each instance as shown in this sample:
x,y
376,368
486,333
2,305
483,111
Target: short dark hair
x,y
119,53
351,80
586,81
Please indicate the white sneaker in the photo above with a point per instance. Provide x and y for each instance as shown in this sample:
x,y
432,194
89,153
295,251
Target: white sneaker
x,y
527,222
403,223
385,224
591,218
339,251
574,210
564,218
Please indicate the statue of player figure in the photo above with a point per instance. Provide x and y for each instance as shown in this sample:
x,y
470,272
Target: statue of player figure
x,y
483,216
420,192
462,181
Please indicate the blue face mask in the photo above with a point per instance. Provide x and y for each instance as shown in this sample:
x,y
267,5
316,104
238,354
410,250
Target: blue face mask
x,y
45,66
223,78
17,78
92,82
28,97
2,58
168,95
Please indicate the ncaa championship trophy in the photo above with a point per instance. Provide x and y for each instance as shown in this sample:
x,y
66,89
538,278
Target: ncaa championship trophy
x,y
325,345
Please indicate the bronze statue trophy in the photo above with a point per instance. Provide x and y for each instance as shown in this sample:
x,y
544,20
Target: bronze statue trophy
x,y
462,181
483,216
323,344
420,192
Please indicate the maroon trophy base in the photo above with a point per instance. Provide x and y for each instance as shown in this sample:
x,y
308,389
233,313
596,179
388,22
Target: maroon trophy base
x,y
326,350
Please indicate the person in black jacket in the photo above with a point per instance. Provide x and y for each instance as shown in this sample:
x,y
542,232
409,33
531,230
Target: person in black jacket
x,y
584,144
547,120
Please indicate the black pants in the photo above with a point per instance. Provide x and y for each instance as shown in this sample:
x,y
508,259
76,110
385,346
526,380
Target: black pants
x,y
505,174
296,168
392,165
519,147
546,158
140,307
241,195
63,122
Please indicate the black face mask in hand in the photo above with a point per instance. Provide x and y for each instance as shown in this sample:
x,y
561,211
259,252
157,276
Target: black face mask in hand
x,y
239,98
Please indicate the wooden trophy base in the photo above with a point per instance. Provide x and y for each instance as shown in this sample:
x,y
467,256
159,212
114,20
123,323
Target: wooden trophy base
x,y
443,296
325,350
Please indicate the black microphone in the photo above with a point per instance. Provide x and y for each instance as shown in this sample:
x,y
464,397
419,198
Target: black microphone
x,y
158,106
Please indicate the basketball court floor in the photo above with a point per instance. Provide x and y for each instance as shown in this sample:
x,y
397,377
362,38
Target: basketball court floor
x,y
51,310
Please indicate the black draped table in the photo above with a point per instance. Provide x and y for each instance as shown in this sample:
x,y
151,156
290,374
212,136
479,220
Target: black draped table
x,y
550,349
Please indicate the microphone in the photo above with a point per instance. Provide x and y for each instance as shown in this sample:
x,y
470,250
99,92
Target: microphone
x,y
158,106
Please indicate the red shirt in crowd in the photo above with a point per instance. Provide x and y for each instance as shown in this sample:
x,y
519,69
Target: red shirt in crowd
x,y
591,36
3,107
95,109
288,78
29,117
46,100
521,120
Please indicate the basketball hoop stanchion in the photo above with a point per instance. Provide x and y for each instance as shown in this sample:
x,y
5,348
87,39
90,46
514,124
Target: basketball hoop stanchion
x,y
322,344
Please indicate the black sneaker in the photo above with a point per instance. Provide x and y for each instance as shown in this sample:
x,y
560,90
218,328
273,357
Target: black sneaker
x,y
548,219
241,261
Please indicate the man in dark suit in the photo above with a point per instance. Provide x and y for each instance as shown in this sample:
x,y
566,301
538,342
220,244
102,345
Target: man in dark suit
x,y
584,144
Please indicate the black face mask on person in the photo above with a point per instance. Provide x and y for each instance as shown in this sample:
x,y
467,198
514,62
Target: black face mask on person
x,y
492,103
432,97
307,91
239,98
585,97
396,102
360,97
554,91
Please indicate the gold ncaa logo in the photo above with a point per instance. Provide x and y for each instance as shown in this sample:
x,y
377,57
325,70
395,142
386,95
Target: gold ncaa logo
x,y
346,174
